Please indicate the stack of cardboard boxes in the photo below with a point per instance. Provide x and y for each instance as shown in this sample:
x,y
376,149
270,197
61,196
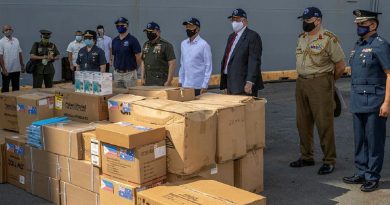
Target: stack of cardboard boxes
x,y
163,136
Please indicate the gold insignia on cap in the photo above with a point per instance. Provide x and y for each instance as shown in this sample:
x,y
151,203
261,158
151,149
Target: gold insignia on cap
x,y
358,13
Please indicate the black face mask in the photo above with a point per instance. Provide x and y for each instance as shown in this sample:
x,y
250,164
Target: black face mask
x,y
307,27
151,36
190,33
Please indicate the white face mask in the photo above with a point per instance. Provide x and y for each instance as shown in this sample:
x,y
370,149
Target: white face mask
x,y
237,26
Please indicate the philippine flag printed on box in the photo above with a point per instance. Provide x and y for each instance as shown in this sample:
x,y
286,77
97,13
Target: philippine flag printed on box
x,y
107,185
110,151
113,105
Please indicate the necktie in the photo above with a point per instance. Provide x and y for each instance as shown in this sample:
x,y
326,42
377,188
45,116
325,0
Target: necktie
x,y
228,49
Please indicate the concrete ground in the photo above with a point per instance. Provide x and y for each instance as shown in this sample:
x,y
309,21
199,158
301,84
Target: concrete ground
x,y
285,185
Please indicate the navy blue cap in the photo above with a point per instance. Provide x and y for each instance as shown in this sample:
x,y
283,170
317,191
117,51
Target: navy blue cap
x,y
193,21
122,20
311,12
238,13
364,15
152,26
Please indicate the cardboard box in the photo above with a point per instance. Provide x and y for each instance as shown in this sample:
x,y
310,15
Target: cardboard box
x,y
78,82
74,195
15,156
81,107
43,186
231,140
114,191
88,82
3,162
102,83
254,116
117,91
42,162
65,138
249,172
162,92
205,192
192,132
8,111
223,173
120,107
130,134
138,165
88,137
34,107
80,173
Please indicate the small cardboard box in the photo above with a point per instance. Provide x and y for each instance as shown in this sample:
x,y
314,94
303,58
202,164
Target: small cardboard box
x,y
34,107
80,173
223,173
114,191
65,138
165,93
74,195
130,134
15,156
102,83
205,192
254,116
120,107
138,165
231,140
249,172
80,106
8,110
79,81
88,82
43,186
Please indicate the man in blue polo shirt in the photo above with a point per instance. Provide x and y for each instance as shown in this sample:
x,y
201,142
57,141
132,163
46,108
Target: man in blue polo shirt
x,y
127,55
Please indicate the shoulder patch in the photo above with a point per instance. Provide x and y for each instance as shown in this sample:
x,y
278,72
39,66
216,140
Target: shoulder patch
x,y
332,36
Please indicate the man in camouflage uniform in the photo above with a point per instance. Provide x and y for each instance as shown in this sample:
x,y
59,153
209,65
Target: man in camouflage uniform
x,y
319,62
158,58
44,53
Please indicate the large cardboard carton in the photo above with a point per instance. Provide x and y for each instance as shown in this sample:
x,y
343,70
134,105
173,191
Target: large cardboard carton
x,y
138,165
3,162
74,195
15,156
162,92
43,186
223,173
81,107
114,191
102,83
249,172
65,138
192,131
120,107
231,140
80,173
254,116
33,107
205,192
130,134
8,110
42,162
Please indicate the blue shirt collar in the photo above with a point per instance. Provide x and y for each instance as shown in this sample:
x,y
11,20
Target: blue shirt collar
x,y
369,40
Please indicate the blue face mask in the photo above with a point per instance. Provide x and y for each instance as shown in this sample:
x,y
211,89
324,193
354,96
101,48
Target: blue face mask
x,y
363,30
88,42
121,29
79,38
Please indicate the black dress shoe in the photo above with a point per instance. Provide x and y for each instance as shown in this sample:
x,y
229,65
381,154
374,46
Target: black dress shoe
x,y
355,179
369,186
326,169
302,163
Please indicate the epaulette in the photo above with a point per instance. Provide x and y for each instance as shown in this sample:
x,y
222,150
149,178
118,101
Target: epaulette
x,y
331,36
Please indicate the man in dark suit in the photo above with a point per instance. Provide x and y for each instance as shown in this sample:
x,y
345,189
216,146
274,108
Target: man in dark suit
x,y
240,66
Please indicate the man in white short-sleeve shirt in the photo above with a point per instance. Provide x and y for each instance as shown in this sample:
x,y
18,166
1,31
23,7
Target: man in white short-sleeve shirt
x,y
73,51
105,43
11,60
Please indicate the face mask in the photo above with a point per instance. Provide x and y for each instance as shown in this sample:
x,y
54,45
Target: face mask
x,y
79,38
8,33
363,30
307,27
88,42
151,36
237,26
121,29
190,33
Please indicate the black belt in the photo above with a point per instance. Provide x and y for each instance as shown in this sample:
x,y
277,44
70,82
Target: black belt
x,y
316,75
